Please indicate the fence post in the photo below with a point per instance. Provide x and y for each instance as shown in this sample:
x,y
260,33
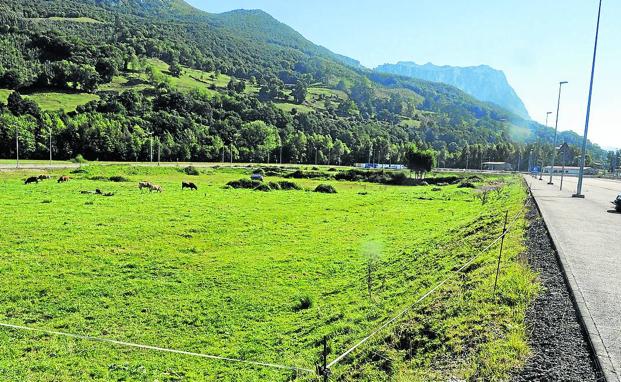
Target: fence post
x,y
502,242
322,370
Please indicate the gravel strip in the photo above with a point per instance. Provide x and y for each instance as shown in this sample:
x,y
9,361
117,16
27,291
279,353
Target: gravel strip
x,y
560,351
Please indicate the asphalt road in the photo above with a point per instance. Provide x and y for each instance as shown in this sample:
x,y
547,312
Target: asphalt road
x,y
587,235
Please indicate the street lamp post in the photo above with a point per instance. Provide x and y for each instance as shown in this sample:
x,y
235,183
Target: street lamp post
x,y
558,108
578,193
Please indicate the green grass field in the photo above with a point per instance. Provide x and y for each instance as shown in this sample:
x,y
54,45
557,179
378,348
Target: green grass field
x,y
49,100
222,271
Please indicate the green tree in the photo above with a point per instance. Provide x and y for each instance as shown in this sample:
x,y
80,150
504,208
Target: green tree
x,y
299,92
419,161
258,140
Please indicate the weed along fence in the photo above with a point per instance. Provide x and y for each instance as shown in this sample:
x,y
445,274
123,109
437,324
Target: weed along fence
x,y
325,367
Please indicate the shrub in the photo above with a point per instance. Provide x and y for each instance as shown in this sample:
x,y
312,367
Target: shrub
x,y
191,170
332,169
466,184
274,186
98,178
299,174
118,179
263,187
474,179
79,159
286,185
303,303
79,171
259,171
244,183
325,189
398,177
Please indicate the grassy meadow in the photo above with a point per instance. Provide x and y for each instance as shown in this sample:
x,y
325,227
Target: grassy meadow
x,y
255,275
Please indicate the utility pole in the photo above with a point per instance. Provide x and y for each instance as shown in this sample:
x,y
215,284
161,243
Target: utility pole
x,y
17,145
50,146
578,193
151,148
159,144
558,107
231,152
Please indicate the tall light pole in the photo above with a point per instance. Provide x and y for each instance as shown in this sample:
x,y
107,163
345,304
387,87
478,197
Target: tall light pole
x,y
558,108
151,148
578,193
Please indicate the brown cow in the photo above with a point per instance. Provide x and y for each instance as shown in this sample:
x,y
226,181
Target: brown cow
x,y
63,179
155,187
189,185
145,184
32,179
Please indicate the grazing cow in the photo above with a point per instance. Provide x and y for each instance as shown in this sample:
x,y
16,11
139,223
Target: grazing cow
x,y
44,177
32,179
189,185
63,179
155,187
146,185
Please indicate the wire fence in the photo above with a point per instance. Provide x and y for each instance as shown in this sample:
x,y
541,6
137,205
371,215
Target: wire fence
x,y
430,291
155,348
324,371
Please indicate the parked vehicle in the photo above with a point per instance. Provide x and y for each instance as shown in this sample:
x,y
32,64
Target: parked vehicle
x,y
617,203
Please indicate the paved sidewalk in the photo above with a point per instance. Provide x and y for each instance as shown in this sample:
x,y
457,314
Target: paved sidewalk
x,y
587,234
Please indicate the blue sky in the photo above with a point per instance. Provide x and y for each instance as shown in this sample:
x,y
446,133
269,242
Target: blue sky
x,y
536,43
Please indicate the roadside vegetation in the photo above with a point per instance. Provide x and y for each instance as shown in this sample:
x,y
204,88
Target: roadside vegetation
x,y
256,275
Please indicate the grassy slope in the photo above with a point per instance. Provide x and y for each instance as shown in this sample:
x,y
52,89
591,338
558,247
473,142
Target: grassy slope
x,y
219,271
190,79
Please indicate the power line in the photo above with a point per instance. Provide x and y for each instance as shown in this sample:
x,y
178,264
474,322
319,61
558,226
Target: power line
x,y
155,348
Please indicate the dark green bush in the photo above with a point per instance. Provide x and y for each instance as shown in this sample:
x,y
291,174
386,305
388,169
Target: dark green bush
x,y
299,174
259,171
325,189
191,170
466,185
118,179
286,185
263,187
303,303
79,159
274,186
244,183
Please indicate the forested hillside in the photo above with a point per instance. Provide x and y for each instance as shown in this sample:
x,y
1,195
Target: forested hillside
x,y
105,76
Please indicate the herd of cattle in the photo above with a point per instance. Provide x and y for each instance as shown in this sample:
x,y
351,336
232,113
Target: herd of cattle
x,y
142,185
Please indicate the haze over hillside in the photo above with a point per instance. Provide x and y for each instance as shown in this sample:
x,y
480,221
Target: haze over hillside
x,y
482,82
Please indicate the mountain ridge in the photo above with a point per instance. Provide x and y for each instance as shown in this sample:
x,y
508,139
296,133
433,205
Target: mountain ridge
x,y
482,81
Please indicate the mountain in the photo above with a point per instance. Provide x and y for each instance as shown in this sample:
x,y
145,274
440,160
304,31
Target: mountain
x,y
120,70
482,82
